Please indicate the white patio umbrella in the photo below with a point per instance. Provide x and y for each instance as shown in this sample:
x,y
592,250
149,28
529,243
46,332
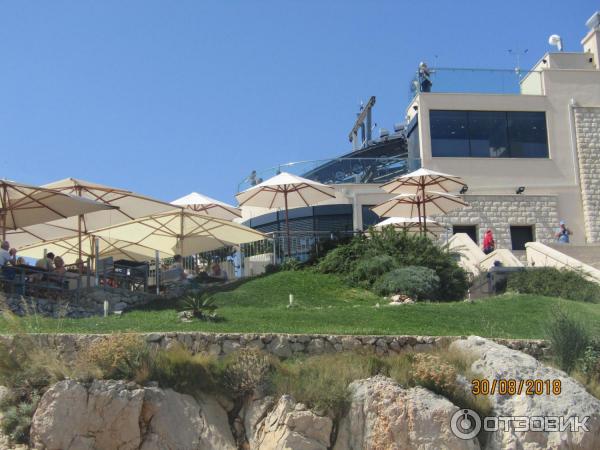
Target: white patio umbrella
x,y
419,205
68,249
209,206
422,180
410,224
285,191
23,205
180,232
128,205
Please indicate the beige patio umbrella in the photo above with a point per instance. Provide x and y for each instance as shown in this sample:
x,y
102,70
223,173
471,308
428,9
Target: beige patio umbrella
x,y
422,180
287,191
410,224
68,249
128,205
209,206
23,205
419,205
180,232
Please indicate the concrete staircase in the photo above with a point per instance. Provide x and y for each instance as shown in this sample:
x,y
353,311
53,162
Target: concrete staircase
x,y
587,254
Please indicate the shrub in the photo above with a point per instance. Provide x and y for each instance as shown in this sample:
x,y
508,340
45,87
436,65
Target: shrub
x,y
552,282
420,283
432,372
247,371
568,339
321,382
367,271
272,268
291,264
178,369
202,306
117,356
589,364
16,417
406,250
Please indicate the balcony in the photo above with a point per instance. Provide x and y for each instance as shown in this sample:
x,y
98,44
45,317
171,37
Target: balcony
x,y
338,170
480,81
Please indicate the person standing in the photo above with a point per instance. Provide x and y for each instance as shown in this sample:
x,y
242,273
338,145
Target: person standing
x,y
7,255
489,245
562,233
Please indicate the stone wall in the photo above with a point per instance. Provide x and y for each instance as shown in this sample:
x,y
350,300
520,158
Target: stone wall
x,y
498,212
587,131
281,345
88,302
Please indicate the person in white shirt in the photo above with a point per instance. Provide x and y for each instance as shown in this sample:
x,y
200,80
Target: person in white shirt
x,y
6,254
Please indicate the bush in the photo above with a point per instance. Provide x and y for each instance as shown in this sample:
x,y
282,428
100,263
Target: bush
x,y
568,339
321,382
16,417
367,271
406,250
291,264
117,356
272,268
247,371
178,369
589,364
552,282
420,283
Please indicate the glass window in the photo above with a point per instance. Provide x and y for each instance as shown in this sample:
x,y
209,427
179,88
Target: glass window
x,y
449,133
487,134
527,134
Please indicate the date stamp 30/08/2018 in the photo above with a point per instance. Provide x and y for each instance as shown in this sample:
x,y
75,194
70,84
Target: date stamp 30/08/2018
x,y
515,387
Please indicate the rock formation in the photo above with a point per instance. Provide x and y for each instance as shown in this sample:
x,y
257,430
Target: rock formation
x,y
494,361
383,415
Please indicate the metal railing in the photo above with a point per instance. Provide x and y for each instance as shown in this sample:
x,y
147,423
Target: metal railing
x,y
473,80
336,170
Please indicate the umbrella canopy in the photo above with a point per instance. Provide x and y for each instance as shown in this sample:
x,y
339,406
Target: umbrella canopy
x,y
181,232
68,249
127,206
208,206
421,180
410,224
285,191
413,205
23,205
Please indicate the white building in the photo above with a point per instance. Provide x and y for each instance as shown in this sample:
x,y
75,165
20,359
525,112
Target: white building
x,y
543,138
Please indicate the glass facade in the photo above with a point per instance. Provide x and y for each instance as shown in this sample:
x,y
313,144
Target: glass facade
x,y
488,134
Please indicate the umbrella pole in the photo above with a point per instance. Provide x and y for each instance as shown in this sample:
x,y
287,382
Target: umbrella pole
x,y
4,212
424,216
80,218
287,225
419,213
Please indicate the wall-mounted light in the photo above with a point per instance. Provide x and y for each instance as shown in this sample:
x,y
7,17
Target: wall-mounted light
x,y
464,189
415,107
520,190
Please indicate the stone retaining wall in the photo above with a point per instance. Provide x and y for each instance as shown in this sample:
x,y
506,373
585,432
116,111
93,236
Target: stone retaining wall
x,y
282,345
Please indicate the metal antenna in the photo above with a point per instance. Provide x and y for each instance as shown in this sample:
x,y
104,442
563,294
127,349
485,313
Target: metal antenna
x,y
517,54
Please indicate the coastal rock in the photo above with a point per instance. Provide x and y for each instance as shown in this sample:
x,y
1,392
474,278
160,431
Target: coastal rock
x,y
115,414
494,361
291,426
383,415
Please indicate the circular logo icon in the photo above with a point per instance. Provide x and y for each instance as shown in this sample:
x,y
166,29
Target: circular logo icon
x,y
465,424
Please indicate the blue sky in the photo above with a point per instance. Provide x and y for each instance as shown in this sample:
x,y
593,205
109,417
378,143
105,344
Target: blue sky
x,y
165,98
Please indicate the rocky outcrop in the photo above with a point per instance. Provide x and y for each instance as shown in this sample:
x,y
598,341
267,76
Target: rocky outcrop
x,y
291,425
494,361
115,414
383,415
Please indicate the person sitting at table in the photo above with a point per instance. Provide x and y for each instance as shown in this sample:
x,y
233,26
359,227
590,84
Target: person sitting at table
x,y
7,254
59,266
81,268
177,266
46,263
217,272
21,261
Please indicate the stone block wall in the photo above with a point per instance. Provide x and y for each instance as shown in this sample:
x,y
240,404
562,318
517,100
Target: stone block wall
x,y
587,131
281,345
498,212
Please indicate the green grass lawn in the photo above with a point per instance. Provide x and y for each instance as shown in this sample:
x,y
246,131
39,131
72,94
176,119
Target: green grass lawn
x,y
324,304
